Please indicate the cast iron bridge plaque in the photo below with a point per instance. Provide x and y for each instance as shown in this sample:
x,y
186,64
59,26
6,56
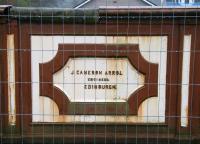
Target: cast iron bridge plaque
x,y
98,79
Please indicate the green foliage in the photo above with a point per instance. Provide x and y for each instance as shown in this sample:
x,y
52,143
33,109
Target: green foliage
x,y
22,3
19,3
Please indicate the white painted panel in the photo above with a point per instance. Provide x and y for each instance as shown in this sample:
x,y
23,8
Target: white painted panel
x,y
185,80
148,110
11,79
152,48
115,79
48,110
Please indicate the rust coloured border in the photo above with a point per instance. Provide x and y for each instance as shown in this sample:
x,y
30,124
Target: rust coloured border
x,y
65,51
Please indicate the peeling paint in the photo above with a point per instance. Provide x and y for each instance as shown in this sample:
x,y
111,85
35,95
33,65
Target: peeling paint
x,y
152,48
49,113
11,79
185,80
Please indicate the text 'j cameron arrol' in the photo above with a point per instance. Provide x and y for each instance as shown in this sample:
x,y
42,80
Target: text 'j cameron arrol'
x,y
95,72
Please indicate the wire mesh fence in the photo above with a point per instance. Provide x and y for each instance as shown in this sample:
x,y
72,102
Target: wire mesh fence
x,y
107,75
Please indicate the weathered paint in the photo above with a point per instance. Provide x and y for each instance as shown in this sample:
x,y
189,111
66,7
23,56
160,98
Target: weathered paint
x,y
185,80
73,85
146,114
11,79
152,48
48,110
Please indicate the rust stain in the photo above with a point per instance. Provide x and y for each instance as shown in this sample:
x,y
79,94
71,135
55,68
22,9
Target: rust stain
x,y
140,111
186,118
11,79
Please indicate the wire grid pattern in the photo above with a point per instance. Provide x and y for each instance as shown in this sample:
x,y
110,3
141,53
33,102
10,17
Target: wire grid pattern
x,y
106,125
